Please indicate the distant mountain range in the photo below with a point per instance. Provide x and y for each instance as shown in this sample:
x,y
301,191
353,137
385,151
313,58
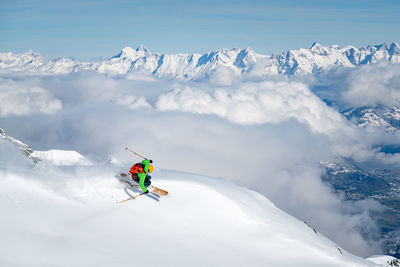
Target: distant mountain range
x,y
317,59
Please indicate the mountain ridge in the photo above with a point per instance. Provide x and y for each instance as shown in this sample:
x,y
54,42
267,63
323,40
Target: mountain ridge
x,y
194,66
387,117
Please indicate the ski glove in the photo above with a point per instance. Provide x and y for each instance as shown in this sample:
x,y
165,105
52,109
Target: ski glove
x,y
146,192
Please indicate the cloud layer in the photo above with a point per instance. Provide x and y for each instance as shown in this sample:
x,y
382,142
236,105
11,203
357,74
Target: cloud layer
x,y
367,85
374,85
256,103
24,98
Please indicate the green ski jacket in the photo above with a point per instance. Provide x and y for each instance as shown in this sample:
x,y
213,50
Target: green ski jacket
x,y
142,175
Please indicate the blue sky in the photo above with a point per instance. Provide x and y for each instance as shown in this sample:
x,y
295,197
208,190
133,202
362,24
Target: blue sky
x,y
100,28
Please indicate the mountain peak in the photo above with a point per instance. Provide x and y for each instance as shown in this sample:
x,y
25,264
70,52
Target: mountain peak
x,y
245,58
249,50
392,46
320,50
33,54
126,51
129,52
315,45
142,48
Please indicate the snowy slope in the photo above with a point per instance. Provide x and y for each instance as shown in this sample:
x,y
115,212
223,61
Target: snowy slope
x,y
385,260
69,217
24,148
61,157
194,66
53,157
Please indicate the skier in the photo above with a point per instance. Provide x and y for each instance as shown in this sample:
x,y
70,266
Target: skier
x,y
140,174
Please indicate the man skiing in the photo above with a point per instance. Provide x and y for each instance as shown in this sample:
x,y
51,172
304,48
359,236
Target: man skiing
x,y
140,174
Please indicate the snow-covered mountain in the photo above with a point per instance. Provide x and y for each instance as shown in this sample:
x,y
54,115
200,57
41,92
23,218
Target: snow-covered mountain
x,y
28,60
34,62
375,116
194,66
24,148
69,217
54,157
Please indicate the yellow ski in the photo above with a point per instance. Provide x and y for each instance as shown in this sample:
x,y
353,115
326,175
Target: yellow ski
x,y
151,188
131,197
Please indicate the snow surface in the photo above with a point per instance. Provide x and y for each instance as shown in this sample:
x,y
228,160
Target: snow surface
x,y
61,157
384,260
68,216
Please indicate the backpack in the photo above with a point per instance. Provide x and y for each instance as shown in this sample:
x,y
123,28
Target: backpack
x,y
135,170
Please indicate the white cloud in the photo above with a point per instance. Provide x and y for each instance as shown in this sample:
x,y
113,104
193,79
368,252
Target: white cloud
x,y
374,85
140,76
367,85
19,98
223,76
256,103
133,101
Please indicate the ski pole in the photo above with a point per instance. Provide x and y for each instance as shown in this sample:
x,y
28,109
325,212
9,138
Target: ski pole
x,y
131,197
134,153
